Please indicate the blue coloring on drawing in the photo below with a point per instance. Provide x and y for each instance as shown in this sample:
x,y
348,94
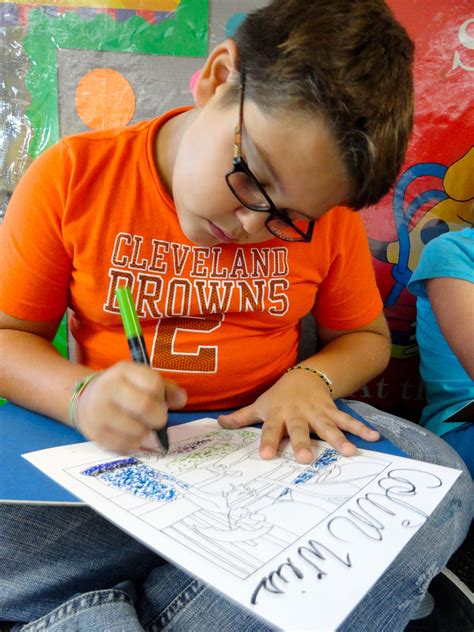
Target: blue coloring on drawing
x,y
134,477
323,461
96,470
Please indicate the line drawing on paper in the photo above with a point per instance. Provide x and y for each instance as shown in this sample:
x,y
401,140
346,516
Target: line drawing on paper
x,y
215,496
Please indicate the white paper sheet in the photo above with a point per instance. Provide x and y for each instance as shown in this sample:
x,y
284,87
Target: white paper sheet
x,y
298,545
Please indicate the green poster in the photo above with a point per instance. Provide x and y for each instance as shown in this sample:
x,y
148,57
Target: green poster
x,y
184,34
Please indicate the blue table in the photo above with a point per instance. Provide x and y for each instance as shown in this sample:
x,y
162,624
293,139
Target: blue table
x,y
23,431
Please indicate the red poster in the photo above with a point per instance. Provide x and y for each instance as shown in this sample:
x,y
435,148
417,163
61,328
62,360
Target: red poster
x,y
435,190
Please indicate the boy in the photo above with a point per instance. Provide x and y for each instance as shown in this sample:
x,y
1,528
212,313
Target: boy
x,y
130,205
230,222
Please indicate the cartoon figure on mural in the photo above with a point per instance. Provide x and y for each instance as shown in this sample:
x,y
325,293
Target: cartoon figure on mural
x,y
443,204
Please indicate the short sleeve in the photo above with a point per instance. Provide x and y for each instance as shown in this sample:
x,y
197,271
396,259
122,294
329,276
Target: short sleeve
x,y
348,298
35,266
450,255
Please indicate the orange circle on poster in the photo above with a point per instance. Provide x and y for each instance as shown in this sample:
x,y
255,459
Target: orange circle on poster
x,y
104,98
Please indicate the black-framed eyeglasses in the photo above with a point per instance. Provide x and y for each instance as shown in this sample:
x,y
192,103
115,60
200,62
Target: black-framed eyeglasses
x,y
251,194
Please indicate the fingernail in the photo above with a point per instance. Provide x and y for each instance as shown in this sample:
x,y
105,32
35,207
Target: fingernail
x,y
228,422
304,456
347,448
372,435
150,442
266,452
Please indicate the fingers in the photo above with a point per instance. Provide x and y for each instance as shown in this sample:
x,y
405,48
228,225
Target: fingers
x,y
152,383
175,395
300,441
329,427
272,434
150,402
120,407
273,431
298,431
329,431
328,423
240,418
145,406
122,435
349,424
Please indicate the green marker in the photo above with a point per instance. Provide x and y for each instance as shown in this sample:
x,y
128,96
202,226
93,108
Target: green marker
x,y
136,344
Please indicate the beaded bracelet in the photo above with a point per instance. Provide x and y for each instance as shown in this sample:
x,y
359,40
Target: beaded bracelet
x,y
320,374
79,388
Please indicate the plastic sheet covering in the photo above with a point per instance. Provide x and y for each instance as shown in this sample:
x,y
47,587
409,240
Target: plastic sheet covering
x,y
31,34
15,127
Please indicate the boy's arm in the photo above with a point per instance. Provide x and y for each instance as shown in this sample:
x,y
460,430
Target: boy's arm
x,y
118,409
452,301
32,372
352,358
300,402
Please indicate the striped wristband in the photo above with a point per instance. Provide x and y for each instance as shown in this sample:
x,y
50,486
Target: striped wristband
x,y
320,374
79,388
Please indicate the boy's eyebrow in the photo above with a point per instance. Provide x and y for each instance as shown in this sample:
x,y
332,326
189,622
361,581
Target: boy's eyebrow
x,y
262,155
265,158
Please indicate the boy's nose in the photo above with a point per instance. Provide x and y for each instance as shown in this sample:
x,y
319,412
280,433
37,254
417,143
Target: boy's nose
x,y
253,222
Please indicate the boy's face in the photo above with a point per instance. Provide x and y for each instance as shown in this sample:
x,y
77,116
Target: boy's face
x,y
292,155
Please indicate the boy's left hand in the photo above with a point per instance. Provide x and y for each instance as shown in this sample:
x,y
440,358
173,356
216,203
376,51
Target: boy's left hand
x,y
299,403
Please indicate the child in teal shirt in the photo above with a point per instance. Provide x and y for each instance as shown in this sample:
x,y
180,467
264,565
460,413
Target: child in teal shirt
x,y
444,285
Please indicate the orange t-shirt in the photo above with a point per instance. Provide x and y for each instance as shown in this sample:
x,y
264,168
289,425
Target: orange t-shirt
x,y
223,321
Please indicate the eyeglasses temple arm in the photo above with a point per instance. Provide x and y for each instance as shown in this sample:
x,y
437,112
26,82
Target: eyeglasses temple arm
x,y
238,129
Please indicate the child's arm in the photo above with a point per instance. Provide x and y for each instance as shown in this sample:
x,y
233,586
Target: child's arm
x,y
118,408
300,402
452,301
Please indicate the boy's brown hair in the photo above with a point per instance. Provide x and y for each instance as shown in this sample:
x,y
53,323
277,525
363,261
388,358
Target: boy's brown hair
x,y
347,60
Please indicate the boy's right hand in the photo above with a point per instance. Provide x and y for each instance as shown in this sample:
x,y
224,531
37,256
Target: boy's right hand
x,y
121,406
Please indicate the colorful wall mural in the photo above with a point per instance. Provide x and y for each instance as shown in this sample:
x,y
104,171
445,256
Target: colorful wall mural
x,y
435,190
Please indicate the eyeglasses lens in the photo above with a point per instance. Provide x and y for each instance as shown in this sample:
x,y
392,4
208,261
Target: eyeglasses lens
x,y
284,231
247,191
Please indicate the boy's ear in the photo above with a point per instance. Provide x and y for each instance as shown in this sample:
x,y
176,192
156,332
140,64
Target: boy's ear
x,y
220,67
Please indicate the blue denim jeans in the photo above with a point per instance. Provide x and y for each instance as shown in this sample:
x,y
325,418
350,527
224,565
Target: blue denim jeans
x,y
66,569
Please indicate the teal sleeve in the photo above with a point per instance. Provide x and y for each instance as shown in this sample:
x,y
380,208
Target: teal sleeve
x,y
450,255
